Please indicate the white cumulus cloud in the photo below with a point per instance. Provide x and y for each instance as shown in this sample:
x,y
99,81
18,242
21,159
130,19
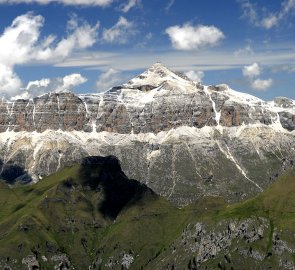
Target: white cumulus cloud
x,y
20,43
45,85
102,3
129,5
70,81
196,76
251,71
189,37
283,68
261,85
38,84
120,32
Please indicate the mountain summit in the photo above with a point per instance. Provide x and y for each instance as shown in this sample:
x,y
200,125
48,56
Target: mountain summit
x,y
155,76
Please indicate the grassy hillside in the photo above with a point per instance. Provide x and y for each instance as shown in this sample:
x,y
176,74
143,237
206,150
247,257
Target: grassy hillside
x,y
92,215
276,203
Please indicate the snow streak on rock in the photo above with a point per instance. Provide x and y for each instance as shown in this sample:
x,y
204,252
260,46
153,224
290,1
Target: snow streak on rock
x,y
173,172
217,114
228,154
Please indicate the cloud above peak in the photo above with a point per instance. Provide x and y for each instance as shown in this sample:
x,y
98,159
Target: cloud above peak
x,y
101,3
189,37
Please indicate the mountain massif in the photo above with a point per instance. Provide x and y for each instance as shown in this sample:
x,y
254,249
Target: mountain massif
x,y
182,139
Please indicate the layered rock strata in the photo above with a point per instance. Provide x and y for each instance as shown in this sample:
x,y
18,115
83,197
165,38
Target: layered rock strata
x,y
155,101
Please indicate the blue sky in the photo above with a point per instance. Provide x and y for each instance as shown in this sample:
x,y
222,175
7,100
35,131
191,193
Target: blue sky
x,y
91,45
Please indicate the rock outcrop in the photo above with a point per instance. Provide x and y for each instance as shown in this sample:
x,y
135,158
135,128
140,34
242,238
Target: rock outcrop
x,y
227,244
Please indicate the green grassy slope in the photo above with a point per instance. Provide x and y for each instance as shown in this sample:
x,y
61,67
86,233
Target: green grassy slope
x,y
276,203
63,215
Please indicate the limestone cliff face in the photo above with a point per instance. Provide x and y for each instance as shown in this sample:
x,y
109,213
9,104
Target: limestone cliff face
x,y
155,101
53,111
184,140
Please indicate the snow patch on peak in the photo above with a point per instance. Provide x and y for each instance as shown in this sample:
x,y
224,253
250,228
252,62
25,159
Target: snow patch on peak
x,y
276,106
240,97
155,76
235,96
281,104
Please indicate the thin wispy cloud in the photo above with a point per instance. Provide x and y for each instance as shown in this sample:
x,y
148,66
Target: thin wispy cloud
x,y
101,3
109,78
247,50
120,32
201,60
169,5
126,7
266,20
283,68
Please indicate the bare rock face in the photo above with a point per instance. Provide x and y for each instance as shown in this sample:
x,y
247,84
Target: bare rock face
x,y
182,139
220,87
284,102
287,120
64,111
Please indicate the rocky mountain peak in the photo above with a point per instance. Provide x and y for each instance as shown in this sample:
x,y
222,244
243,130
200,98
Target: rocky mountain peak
x,y
156,75
160,69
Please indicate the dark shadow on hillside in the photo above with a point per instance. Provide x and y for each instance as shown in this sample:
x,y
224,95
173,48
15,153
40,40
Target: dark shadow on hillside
x,y
105,174
12,173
